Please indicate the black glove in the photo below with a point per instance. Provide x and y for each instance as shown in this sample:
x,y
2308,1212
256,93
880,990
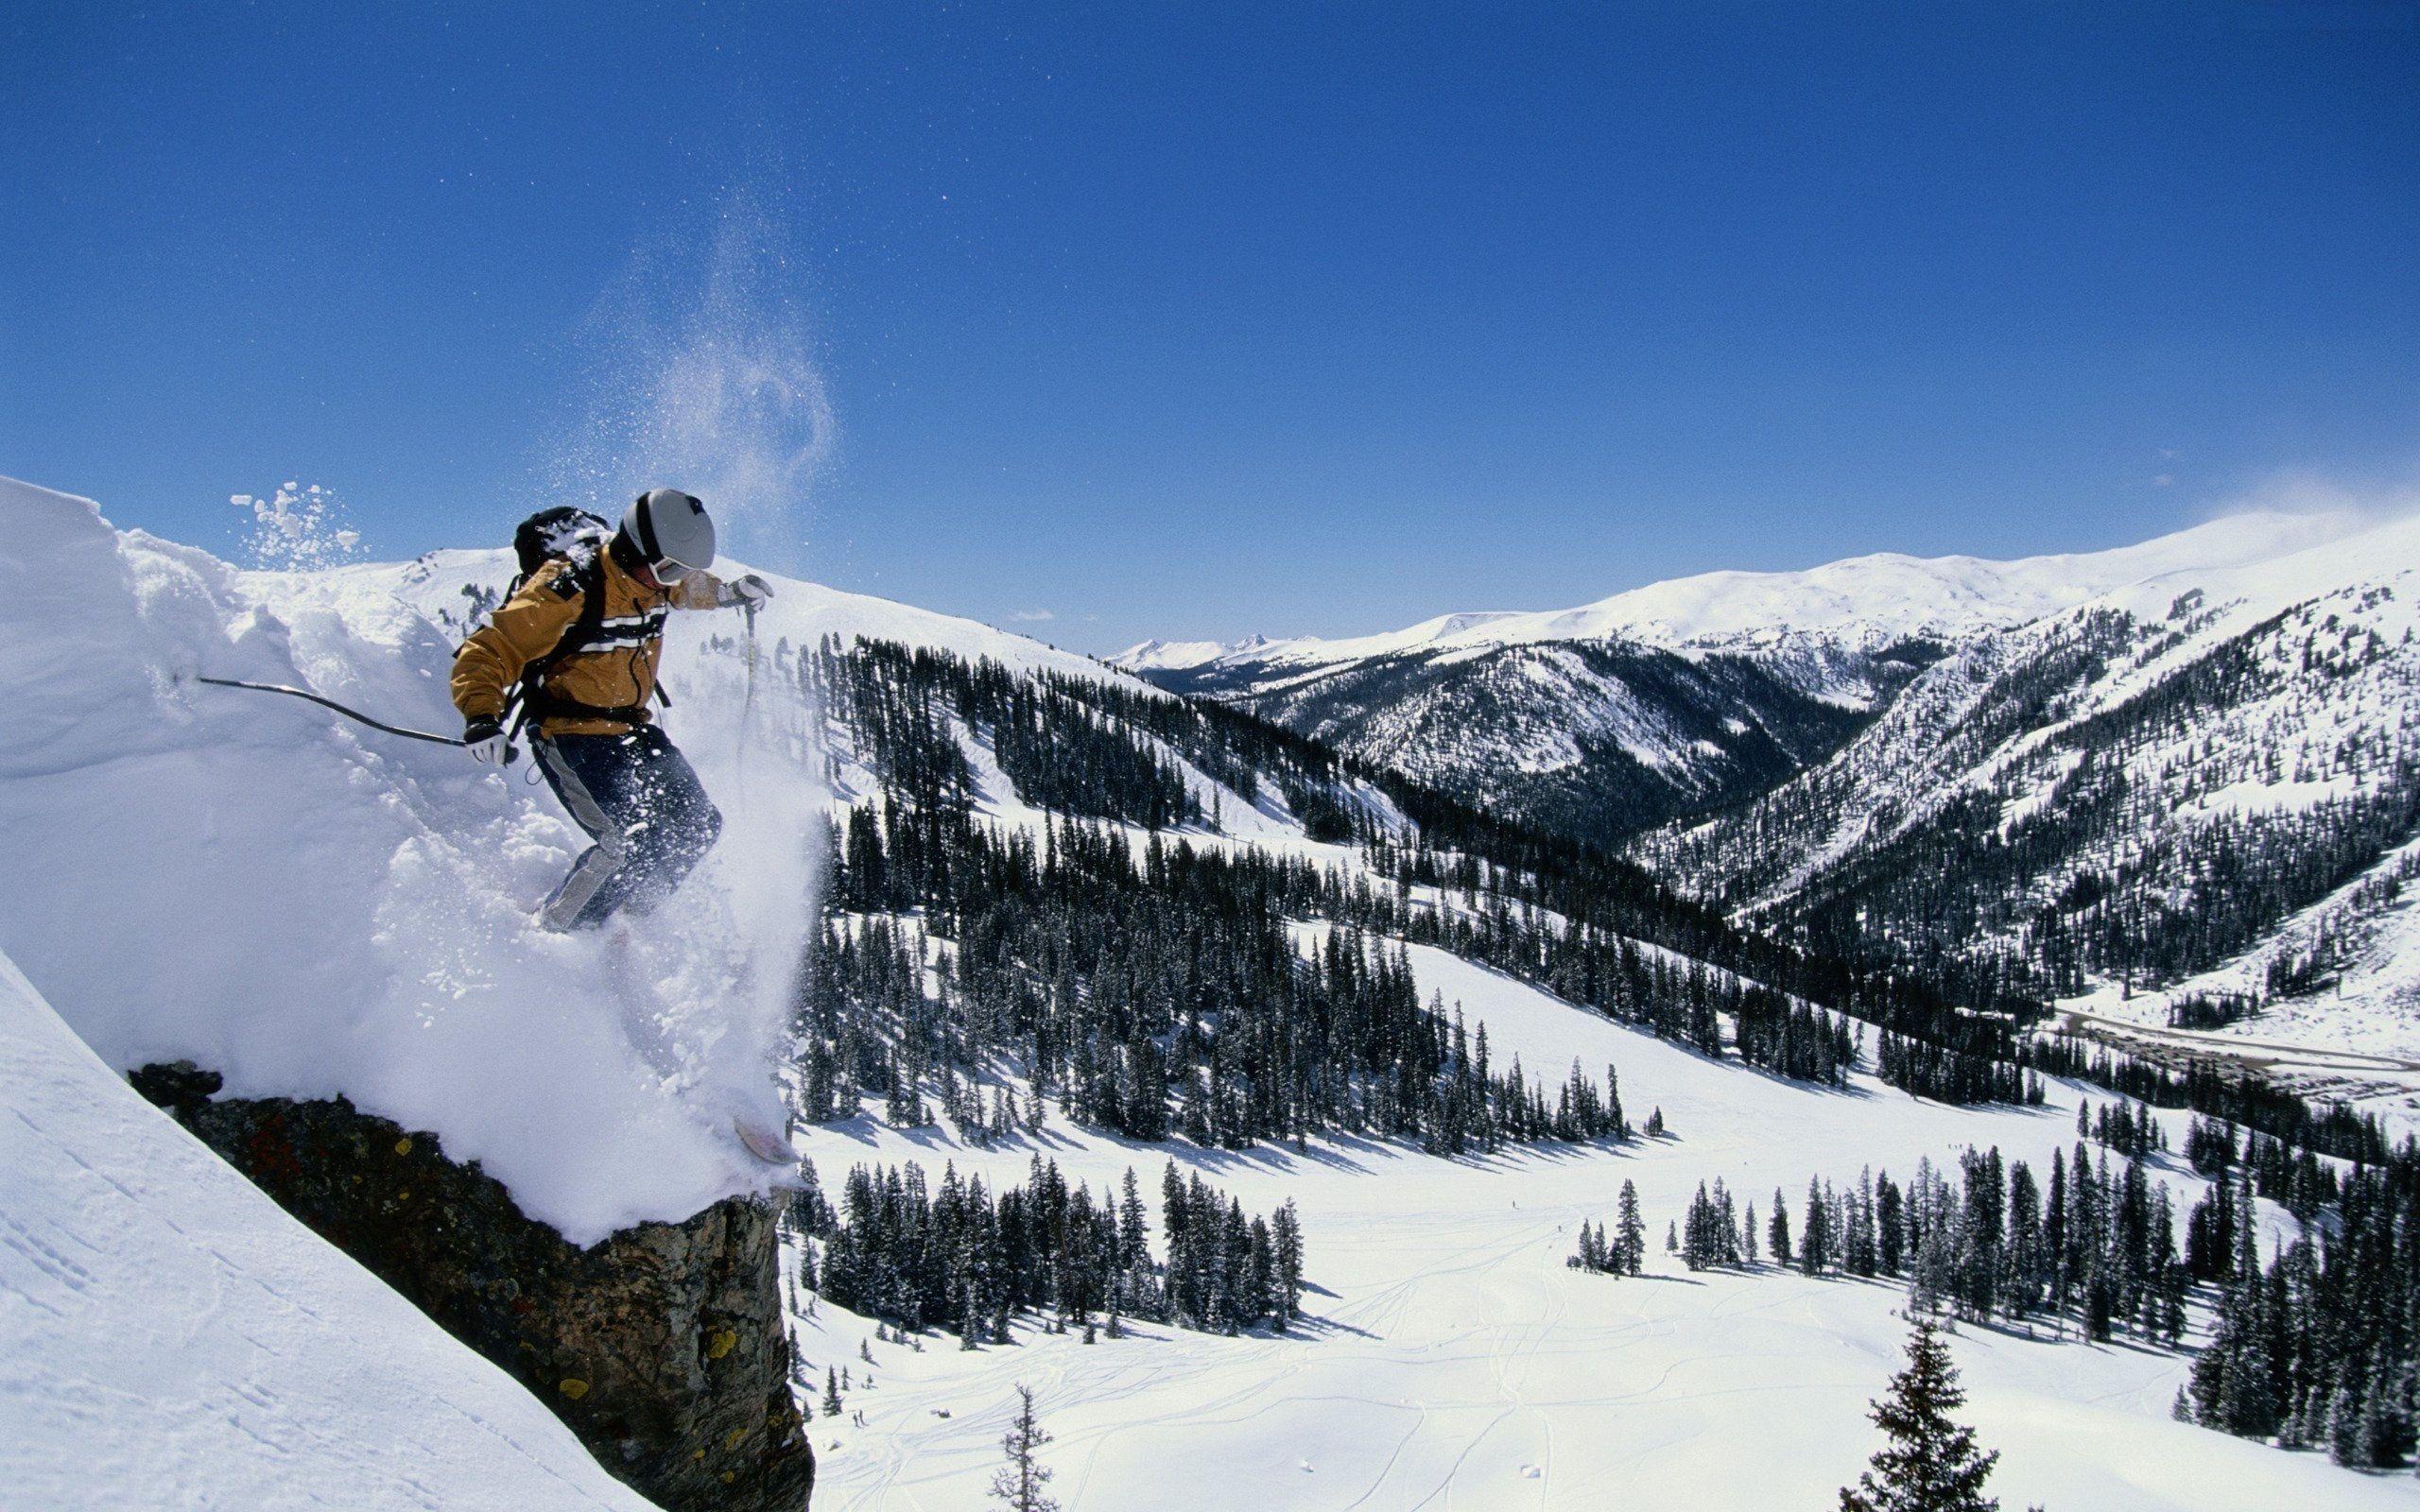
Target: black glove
x,y
484,738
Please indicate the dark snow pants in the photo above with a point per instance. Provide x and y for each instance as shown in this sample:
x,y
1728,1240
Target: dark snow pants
x,y
641,805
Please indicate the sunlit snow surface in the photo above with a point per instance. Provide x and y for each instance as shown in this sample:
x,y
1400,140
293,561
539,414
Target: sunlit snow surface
x,y
241,880
1873,600
1452,1361
312,909
170,1338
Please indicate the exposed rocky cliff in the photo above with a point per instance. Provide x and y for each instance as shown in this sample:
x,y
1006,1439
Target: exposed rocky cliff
x,y
662,1347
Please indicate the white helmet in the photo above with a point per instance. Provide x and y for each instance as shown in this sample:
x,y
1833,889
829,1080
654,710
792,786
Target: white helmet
x,y
671,532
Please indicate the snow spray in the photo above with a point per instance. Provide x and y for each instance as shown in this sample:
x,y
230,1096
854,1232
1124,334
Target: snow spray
x,y
701,375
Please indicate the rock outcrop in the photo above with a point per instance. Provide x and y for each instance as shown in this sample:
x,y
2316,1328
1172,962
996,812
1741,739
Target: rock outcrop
x,y
662,1347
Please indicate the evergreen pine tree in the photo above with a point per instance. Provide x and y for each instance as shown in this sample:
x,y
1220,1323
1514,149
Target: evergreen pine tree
x,y
1018,1484
1630,1239
1930,1463
2347,1443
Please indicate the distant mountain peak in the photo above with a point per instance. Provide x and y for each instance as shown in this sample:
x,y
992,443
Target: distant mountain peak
x,y
1871,600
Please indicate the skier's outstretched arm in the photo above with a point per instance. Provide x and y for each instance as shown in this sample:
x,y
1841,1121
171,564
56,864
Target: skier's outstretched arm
x,y
703,589
529,625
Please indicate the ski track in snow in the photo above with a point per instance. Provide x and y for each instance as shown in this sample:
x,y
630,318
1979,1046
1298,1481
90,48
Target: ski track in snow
x,y
1451,1360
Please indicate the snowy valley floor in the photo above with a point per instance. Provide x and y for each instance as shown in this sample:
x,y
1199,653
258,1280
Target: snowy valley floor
x,y
1452,1360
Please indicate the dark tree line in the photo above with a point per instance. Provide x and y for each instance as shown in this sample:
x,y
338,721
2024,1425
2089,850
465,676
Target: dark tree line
x,y
904,708
1567,915
1792,1039
2316,1349
1923,1069
1988,1240
969,1259
1151,994
2234,1095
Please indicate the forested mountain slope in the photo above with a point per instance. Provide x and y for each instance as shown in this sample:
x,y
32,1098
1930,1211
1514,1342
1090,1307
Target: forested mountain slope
x,y
1028,1001
1374,1056
2208,784
1680,698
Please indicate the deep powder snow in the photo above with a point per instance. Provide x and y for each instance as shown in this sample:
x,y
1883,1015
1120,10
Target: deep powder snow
x,y
311,908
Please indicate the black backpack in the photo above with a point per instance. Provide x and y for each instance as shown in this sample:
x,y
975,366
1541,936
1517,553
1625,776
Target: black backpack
x,y
564,533
561,532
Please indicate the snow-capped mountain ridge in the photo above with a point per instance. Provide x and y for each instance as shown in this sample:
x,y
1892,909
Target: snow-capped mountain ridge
x,y
1684,697
2205,783
1867,600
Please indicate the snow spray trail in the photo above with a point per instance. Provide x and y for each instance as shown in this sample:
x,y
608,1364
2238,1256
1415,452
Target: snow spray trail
x,y
311,909
307,907
701,377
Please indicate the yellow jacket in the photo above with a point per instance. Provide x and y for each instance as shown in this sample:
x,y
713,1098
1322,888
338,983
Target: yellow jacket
x,y
616,670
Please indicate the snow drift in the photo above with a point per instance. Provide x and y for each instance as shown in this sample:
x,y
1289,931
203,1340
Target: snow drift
x,y
136,1268
310,909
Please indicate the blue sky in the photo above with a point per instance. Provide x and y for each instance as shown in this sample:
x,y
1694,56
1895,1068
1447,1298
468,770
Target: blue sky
x,y
1192,321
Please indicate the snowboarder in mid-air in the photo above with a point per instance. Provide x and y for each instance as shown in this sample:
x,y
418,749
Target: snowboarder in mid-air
x,y
580,638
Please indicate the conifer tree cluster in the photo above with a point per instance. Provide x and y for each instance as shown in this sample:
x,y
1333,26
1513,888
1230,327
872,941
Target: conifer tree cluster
x,y
1988,1241
2316,1349
1151,994
2224,1092
903,709
2297,1180
1713,1232
1924,1068
969,1259
1793,1040
1577,920
1624,1252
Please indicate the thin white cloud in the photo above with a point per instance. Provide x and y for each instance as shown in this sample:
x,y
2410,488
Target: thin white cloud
x,y
2166,480
1032,617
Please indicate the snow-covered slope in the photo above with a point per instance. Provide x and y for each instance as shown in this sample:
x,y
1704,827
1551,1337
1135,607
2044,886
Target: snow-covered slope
x,y
1682,697
1156,655
170,1337
1451,1358
2208,781
309,908
450,587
